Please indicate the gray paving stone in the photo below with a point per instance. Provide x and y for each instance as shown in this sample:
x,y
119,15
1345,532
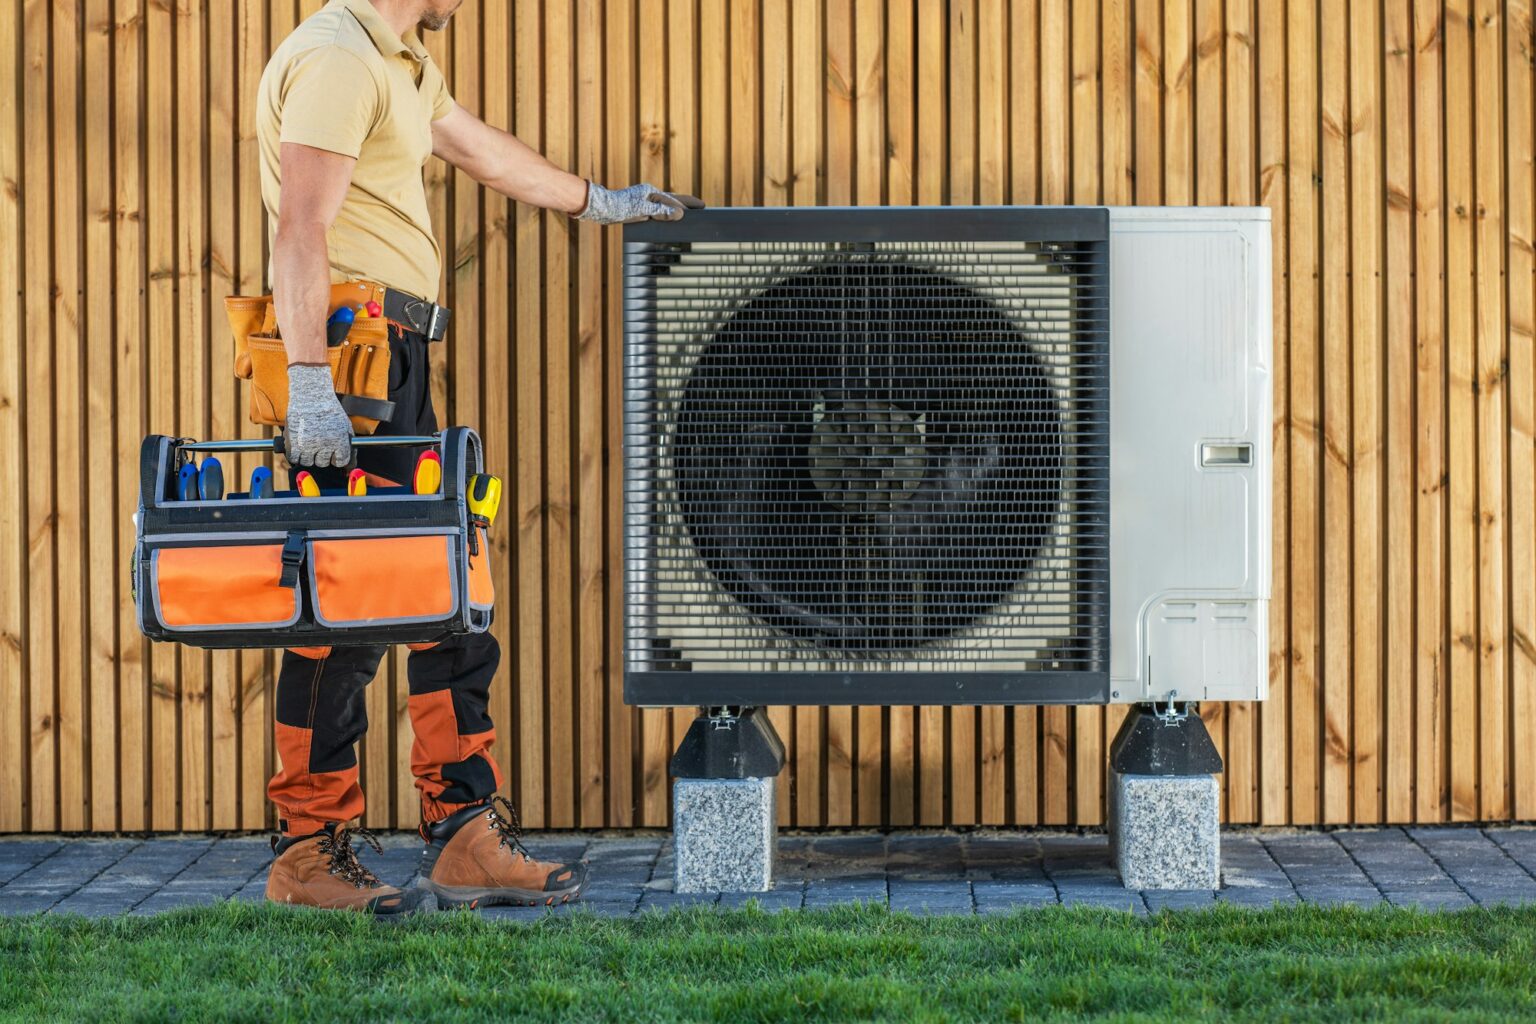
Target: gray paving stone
x,y
1257,898
1180,899
19,855
1126,901
833,893
776,901
1431,899
986,872
14,904
671,900
99,903
73,866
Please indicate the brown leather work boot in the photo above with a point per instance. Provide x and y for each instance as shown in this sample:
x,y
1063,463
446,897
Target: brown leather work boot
x,y
475,858
322,870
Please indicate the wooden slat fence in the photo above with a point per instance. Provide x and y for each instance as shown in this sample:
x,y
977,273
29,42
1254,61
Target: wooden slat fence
x,y
1391,138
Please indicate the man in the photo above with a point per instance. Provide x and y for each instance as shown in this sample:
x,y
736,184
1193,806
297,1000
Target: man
x,y
348,110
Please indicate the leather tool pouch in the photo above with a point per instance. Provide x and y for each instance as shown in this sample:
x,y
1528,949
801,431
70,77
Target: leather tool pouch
x,y
359,365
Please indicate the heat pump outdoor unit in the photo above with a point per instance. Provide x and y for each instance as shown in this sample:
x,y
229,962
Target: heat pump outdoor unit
x,y
947,456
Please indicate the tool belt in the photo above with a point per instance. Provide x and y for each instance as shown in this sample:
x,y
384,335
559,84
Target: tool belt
x,y
359,362
281,570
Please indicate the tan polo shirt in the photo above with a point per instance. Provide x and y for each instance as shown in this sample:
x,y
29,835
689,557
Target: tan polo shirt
x,y
346,83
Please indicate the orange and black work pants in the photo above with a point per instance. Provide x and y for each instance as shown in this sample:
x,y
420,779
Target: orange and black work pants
x,y
321,711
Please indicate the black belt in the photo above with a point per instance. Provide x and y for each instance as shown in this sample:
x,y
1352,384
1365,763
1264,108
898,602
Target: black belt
x,y
425,318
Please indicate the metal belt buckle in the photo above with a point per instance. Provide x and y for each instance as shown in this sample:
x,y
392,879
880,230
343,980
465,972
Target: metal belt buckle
x,y
437,324
419,313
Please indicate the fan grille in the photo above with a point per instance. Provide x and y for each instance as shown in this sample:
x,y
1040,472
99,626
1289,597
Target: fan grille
x,y
867,458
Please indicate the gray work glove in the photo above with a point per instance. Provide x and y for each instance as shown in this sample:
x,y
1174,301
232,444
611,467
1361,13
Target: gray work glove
x,y
634,204
318,432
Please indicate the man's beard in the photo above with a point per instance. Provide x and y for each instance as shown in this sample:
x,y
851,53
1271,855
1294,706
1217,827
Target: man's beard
x,y
438,22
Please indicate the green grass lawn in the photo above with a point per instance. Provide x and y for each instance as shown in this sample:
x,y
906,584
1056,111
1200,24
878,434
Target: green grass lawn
x,y
265,963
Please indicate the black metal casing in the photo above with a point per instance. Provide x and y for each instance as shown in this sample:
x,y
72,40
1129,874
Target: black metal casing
x,y
867,457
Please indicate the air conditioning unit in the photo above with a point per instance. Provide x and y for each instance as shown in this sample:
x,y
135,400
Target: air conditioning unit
x,y
947,456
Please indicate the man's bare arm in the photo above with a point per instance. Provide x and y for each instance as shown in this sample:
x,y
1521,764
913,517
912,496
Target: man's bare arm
x,y
501,161
314,182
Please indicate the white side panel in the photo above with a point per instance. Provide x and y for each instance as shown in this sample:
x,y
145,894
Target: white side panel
x,y
1189,453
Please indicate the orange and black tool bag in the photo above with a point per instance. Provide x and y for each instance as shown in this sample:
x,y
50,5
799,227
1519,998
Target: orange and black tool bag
x,y
391,567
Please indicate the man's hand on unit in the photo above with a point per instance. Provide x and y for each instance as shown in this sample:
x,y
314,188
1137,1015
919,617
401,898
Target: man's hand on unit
x,y
634,204
318,431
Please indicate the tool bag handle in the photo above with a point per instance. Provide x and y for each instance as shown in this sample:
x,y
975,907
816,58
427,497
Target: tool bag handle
x,y
275,445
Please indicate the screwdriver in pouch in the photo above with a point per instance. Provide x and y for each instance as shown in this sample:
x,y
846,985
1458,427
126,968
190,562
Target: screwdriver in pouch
x,y
186,482
261,482
210,479
429,473
484,497
338,325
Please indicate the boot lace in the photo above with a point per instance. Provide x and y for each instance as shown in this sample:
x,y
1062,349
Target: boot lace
x,y
344,862
504,819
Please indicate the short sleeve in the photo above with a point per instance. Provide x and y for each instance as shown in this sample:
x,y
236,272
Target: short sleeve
x,y
331,101
436,86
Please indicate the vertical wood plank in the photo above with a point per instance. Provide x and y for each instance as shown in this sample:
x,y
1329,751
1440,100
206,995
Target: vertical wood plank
x,y
495,355
1363,129
1490,387
1338,457
961,169
1274,191
932,741
1178,103
681,174
901,180
838,190
1055,188
1398,702
559,116
869,84
1088,757
191,297
1119,184
654,130
223,681
103,585
807,96
13,610
592,577
41,650
1209,173
1521,212
255,668
1149,101
1431,673
623,722
992,190
1305,412
1241,783
1461,412
531,509
69,468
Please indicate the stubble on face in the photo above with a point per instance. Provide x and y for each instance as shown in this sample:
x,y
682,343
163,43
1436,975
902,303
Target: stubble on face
x,y
437,14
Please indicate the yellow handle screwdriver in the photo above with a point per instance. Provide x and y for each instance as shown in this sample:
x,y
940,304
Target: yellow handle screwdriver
x,y
484,496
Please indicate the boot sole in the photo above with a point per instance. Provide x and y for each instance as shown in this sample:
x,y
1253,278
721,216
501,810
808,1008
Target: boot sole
x,y
450,896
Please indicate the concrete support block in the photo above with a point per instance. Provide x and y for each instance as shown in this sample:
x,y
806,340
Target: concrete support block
x,y
725,832
1165,830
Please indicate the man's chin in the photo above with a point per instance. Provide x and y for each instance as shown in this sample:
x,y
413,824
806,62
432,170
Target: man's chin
x,y
438,22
